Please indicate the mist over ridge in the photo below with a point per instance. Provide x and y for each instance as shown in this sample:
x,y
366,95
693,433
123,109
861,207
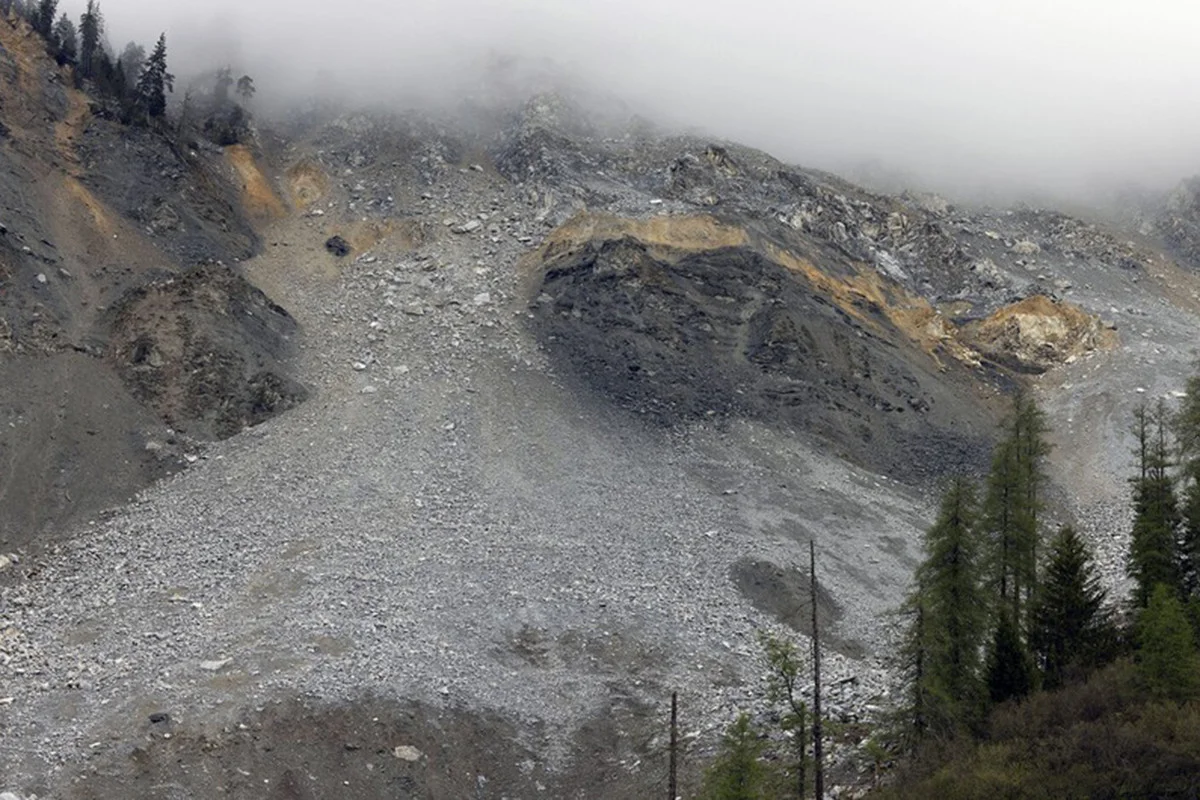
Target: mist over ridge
x,y
1069,99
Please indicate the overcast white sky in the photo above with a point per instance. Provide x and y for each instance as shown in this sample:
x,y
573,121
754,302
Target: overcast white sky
x,y
1059,94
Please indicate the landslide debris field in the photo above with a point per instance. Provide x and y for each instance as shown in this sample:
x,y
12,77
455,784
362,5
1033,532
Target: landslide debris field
x,y
453,504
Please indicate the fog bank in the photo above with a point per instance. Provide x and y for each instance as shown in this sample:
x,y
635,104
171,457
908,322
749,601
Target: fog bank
x,y
1059,97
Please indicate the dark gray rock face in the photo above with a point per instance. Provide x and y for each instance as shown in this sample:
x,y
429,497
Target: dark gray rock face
x,y
727,332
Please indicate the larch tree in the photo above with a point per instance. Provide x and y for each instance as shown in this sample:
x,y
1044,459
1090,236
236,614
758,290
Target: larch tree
x,y
1012,506
1153,554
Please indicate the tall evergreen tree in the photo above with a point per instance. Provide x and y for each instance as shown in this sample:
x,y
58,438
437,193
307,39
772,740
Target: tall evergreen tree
x,y
43,17
951,618
245,88
1009,665
66,40
1166,654
1012,506
1029,437
1070,625
1187,436
1001,519
1153,556
91,31
155,81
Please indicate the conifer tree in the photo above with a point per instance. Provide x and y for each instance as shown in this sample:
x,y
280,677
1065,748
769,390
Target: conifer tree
x,y
1070,625
1153,556
91,29
952,614
245,88
1009,665
1029,438
155,81
1001,518
1187,434
1166,654
1012,506
737,773
43,18
66,40
783,687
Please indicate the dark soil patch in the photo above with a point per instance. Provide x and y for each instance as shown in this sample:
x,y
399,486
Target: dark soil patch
x,y
205,350
786,594
302,750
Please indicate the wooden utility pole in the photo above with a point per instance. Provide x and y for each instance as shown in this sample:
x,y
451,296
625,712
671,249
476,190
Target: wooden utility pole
x,y
819,768
673,780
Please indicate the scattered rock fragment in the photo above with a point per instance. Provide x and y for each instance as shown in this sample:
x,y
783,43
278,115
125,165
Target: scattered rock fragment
x,y
338,246
407,752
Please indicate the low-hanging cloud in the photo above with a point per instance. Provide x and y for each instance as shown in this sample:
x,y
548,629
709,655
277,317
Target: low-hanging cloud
x,y
1060,97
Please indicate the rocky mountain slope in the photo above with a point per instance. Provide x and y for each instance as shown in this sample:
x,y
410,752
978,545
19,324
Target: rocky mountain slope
x,y
96,222
579,396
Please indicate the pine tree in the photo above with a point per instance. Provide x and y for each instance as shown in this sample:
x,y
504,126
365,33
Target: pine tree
x,y
1166,654
91,29
1009,665
737,773
245,88
1070,626
1153,556
952,614
155,81
43,18
66,40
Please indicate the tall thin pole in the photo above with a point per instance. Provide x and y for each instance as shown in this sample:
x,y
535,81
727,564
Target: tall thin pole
x,y
819,777
673,782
